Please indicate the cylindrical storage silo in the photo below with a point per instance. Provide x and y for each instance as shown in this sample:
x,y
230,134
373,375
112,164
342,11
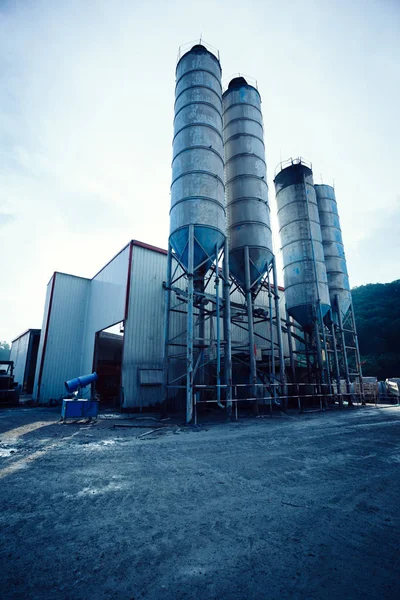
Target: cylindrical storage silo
x,y
304,270
335,261
245,182
197,190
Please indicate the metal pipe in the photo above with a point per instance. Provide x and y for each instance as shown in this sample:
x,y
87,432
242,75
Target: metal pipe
x,y
199,288
249,306
291,356
218,328
319,360
279,337
271,324
166,328
325,348
307,353
227,331
346,364
336,363
189,335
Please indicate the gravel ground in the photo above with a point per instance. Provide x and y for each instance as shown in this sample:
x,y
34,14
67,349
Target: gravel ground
x,y
289,507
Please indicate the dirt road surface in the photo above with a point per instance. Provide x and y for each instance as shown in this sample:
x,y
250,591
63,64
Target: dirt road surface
x,y
293,507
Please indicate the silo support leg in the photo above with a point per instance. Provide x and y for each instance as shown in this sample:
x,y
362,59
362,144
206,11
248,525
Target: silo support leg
x,y
325,348
227,332
272,341
190,323
294,389
336,363
166,331
320,363
279,337
249,303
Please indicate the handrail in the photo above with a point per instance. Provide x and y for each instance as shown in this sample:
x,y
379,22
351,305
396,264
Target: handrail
x,y
184,48
250,80
292,161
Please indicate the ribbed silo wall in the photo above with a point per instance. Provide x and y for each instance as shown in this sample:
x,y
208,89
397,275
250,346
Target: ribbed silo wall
x,y
304,271
197,189
336,267
248,213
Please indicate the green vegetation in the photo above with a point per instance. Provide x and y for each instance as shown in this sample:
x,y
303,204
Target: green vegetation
x,y
4,350
377,312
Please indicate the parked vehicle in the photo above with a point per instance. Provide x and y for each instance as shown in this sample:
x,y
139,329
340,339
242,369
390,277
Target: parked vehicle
x,y
9,389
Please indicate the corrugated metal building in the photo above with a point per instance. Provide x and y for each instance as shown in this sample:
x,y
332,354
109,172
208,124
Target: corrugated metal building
x,y
127,292
24,352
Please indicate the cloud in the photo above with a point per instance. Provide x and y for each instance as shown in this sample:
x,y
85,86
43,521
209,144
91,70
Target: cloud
x,y
86,119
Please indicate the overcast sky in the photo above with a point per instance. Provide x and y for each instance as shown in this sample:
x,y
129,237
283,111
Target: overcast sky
x,y
86,109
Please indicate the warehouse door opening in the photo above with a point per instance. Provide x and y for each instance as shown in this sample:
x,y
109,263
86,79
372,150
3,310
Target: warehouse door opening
x,y
107,362
30,368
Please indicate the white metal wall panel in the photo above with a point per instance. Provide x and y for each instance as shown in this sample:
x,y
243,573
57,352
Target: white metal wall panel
x,y
106,303
65,337
19,354
144,328
42,337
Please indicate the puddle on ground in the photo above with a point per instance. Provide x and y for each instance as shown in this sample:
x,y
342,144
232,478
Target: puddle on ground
x,y
89,445
6,452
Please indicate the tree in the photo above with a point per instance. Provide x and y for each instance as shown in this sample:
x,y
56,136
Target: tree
x,y
377,312
4,350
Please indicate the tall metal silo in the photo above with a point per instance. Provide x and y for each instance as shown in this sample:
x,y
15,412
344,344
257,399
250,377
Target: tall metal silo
x,y
248,213
339,288
304,270
335,261
197,239
197,189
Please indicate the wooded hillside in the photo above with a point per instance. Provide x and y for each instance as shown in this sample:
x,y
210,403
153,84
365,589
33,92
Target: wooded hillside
x,y
377,312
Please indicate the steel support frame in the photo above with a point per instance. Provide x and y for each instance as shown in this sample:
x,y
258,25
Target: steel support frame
x,y
250,292
192,360
344,351
347,325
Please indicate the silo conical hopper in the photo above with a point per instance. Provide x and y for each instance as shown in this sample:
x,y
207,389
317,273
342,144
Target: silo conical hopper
x,y
197,189
336,267
246,182
304,271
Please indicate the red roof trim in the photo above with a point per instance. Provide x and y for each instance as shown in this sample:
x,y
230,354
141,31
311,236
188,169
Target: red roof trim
x,y
149,247
46,333
133,243
139,245
128,281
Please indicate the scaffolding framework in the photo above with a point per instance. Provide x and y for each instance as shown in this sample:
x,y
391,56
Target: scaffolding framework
x,y
266,374
197,350
328,358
